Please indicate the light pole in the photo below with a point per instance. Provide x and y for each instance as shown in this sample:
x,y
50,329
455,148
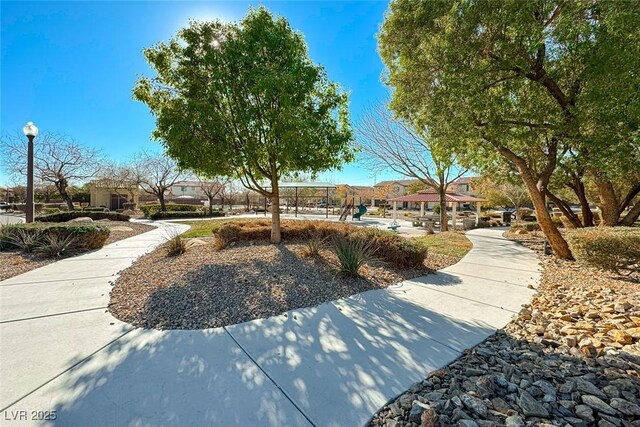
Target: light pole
x,y
31,131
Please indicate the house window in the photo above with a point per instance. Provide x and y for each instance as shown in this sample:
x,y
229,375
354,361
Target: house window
x,y
183,189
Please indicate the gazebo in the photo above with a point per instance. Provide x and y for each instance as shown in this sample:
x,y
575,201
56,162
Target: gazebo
x,y
431,196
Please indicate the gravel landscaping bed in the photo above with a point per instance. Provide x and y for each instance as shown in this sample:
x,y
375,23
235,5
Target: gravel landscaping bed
x,y
13,263
570,358
206,288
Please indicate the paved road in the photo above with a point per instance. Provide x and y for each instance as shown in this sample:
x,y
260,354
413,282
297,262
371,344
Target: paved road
x,y
11,218
331,365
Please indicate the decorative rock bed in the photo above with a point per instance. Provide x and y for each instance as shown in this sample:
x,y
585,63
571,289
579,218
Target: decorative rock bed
x,y
571,358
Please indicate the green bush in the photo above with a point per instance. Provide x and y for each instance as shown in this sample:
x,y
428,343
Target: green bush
x,y
436,209
86,236
95,209
46,211
182,214
614,249
150,208
66,216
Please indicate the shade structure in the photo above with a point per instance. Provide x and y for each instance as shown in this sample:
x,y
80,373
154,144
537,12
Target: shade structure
x,y
433,197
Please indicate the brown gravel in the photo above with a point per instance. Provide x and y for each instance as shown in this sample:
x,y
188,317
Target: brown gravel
x,y
13,263
440,261
209,288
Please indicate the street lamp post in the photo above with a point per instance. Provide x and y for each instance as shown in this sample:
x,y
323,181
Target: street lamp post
x,y
31,131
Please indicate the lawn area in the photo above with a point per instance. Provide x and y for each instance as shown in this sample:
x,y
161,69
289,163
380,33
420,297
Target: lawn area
x,y
200,228
450,244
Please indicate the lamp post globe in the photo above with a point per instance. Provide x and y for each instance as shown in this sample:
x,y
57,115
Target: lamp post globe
x,y
31,131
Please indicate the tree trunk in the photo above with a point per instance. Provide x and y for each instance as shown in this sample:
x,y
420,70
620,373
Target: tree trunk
x,y
608,203
163,206
210,205
275,212
632,215
62,189
558,244
444,220
566,210
587,215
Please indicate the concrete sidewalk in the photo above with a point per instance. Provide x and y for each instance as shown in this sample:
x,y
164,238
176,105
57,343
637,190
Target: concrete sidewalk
x,y
331,365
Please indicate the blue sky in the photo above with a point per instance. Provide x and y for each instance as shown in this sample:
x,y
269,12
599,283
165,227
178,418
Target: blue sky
x,y
70,66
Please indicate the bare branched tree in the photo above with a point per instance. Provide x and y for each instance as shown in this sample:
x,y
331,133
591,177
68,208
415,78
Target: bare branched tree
x,y
390,144
156,173
229,192
58,160
212,187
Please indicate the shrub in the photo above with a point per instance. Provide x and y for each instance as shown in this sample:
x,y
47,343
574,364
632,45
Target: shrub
x,y
614,249
352,254
388,246
85,236
56,245
436,209
183,214
94,209
175,245
150,208
531,226
129,206
26,241
67,216
6,235
46,211
314,243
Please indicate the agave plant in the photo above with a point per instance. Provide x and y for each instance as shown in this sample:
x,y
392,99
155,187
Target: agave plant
x,y
26,241
352,254
56,245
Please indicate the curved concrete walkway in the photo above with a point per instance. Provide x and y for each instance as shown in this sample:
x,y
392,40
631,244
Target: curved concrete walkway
x,y
331,365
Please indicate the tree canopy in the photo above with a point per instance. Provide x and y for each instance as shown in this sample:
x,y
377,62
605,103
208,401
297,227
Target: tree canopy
x,y
523,83
244,100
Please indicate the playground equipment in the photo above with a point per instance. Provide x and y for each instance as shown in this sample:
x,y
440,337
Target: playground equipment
x,y
394,226
345,212
362,209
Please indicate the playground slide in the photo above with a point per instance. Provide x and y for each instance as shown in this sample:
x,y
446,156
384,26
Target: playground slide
x,y
362,209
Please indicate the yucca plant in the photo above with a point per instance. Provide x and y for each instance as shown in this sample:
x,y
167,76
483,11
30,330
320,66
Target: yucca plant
x,y
175,244
26,241
352,254
313,244
56,245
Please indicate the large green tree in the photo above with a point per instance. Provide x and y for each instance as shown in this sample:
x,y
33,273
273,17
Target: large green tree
x,y
520,83
244,100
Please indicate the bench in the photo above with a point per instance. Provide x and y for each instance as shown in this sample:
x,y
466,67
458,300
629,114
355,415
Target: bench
x,y
421,222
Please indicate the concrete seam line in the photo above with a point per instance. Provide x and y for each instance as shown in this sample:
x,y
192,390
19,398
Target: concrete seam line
x,y
55,280
497,266
66,370
502,282
52,315
255,362
468,299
